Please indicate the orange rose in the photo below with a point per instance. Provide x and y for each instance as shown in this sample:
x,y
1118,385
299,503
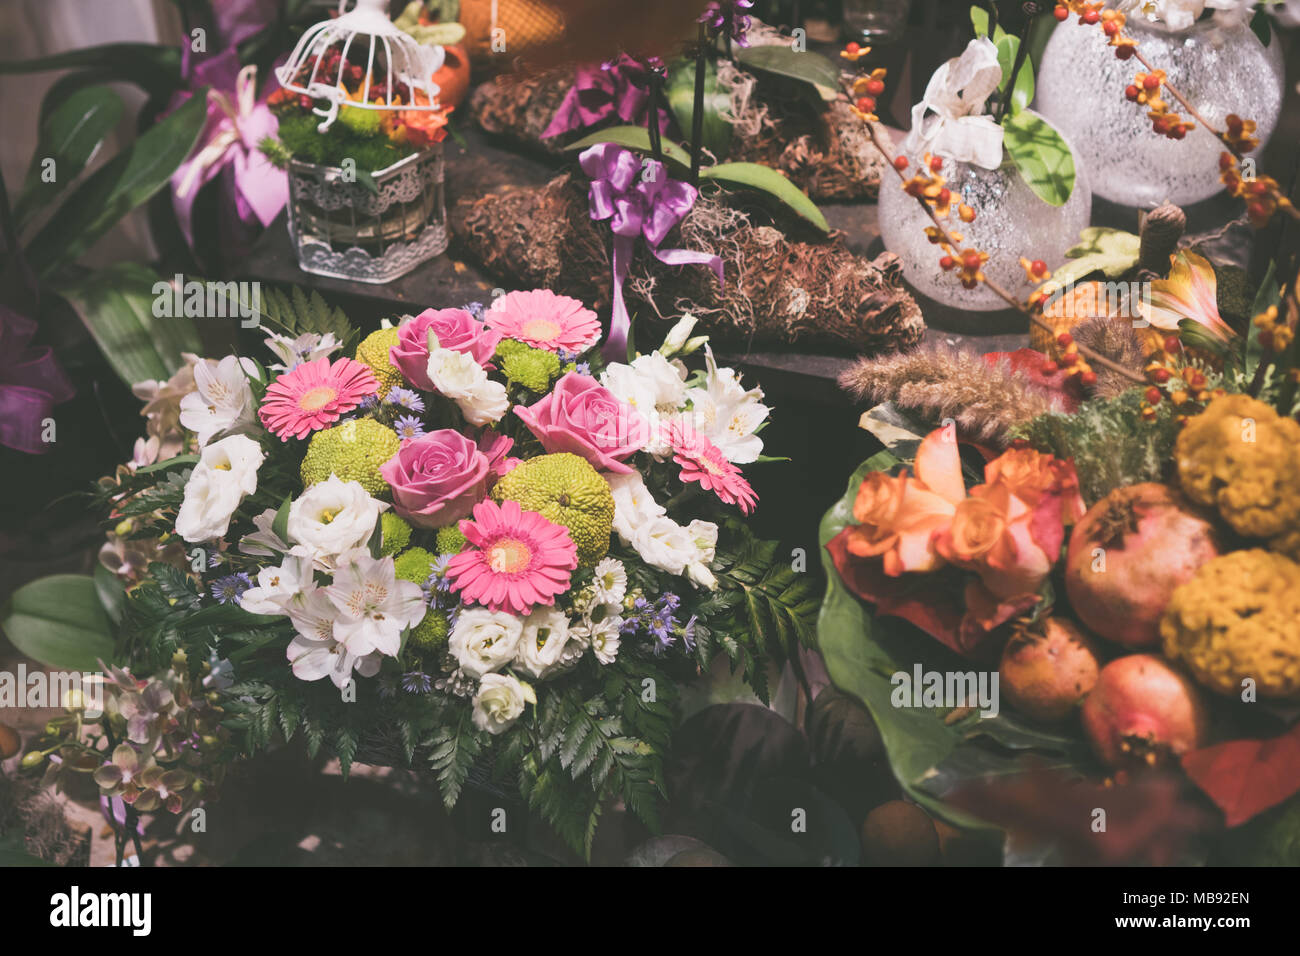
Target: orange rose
x,y
978,527
1031,476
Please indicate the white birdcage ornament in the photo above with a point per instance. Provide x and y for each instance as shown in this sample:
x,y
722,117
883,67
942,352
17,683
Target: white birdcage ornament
x,y
341,226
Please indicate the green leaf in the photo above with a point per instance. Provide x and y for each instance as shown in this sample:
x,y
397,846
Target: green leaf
x,y
169,463
280,524
60,622
1268,294
632,137
768,180
117,187
1193,335
116,305
69,137
111,591
979,19
1262,26
155,68
1040,154
716,132
1111,252
803,65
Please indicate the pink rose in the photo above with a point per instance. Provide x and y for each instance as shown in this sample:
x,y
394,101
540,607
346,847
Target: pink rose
x,y
497,449
455,329
582,416
436,478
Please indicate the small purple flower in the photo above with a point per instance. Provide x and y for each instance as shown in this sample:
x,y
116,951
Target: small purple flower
x,y
417,682
404,398
722,17
475,309
369,403
227,590
688,634
408,426
583,368
214,559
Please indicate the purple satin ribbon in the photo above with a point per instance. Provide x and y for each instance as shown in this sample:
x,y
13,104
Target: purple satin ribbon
x,y
639,199
601,90
31,383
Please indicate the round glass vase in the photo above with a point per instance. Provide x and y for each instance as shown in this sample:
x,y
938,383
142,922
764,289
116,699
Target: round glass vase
x,y
1220,70
1010,222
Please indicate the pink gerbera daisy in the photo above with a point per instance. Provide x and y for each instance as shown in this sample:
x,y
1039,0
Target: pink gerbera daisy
x,y
518,559
314,395
703,461
544,320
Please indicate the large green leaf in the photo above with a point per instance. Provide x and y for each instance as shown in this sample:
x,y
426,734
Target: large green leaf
x,y
1008,46
803,65
768,180
69,136
632,137
116,305
1111,252
154,67
60,622
716,132
117,187
1041,155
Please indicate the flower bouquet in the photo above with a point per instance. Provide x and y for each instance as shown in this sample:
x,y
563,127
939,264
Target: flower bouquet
x,y
463,542
1091,639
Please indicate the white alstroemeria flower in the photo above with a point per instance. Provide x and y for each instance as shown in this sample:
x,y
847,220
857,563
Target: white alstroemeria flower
x,y
605,639
373,606
264,542
484,641
664,544
277,586
704,534
315,652
226,472
500,702
222,399
459,377
677,337
330,517
541,645
634,506
305,348
609,581
727,414
629,387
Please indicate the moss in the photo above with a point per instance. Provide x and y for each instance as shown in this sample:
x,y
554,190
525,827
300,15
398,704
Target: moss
x,y
372,153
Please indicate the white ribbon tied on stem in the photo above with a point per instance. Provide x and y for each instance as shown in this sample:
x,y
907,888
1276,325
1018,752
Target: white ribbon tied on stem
x,y
948,121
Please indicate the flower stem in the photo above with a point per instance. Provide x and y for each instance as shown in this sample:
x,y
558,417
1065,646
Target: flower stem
x,y
697,116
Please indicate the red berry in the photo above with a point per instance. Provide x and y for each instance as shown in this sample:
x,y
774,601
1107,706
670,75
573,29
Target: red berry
x,y
1061,13
947,262
1038,267
875,87
305,101
1150,82
1050,367
1171,344
900,163
1257,188
1124,52
1088,378
1258,210
1153,395
936,163
852,48
1110,28
1065,340
1160,375
1234,122
945,196
866,104
1090,17
1131,92
1226,161
971,259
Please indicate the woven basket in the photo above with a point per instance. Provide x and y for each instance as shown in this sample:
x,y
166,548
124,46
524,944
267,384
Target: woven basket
x,y
526,24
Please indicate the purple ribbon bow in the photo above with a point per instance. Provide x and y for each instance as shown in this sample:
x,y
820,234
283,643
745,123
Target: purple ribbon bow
x,y
639,199
617,88
31,384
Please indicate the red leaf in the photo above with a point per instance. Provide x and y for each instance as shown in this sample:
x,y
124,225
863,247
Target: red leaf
x,y
1029,363
1246,777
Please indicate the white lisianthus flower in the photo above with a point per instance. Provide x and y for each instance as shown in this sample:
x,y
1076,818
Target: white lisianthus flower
x,y
484,641
316,652
226,472
330,517
500,701
305,348
541,645
222,399
634,506
678,335
372,606
609,581
276,586
664,544
459,377
704,534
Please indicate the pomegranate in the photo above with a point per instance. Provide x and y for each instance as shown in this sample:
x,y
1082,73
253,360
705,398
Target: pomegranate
x,y
1047,670
1128,554
1143,711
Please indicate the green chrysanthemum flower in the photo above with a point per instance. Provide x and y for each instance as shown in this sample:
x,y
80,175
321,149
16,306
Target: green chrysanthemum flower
x,y
414,565
532,368
431,633
361,121
373,352
354,451
395,534
566,490
450,540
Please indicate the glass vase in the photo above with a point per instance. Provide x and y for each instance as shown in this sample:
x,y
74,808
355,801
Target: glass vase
x,y
1010,222
1220,70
